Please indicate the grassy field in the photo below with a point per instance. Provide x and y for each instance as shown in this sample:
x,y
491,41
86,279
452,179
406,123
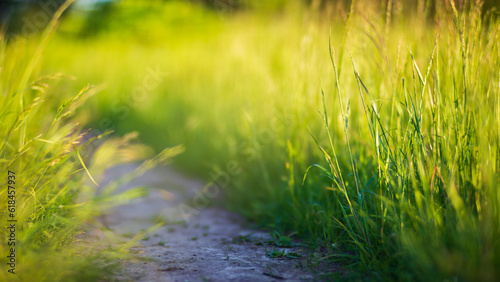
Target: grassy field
x,y
372,131
50,192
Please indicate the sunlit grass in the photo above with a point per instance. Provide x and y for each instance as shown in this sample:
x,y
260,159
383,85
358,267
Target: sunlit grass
x,y
402,146
46,151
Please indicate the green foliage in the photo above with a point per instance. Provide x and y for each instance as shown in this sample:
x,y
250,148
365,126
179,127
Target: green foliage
x,y
280,241
57,195
397,173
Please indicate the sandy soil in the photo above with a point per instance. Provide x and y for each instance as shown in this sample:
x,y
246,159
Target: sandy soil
x,y
209,244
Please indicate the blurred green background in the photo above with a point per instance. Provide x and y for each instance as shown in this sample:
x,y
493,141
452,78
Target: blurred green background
x,y
403,144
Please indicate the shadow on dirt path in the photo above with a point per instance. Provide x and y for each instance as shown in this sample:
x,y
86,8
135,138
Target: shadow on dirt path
x,y
211,245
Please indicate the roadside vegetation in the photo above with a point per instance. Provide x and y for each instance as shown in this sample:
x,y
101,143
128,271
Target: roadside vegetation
x,y
51,168
370,130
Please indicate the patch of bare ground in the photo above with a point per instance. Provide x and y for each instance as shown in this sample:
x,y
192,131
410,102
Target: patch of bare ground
x,y
209,244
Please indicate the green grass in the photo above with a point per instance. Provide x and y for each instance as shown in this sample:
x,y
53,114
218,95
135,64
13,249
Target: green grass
x,y
370,130
45,159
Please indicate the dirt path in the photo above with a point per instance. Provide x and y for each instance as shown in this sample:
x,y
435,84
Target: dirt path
x,y
213,245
